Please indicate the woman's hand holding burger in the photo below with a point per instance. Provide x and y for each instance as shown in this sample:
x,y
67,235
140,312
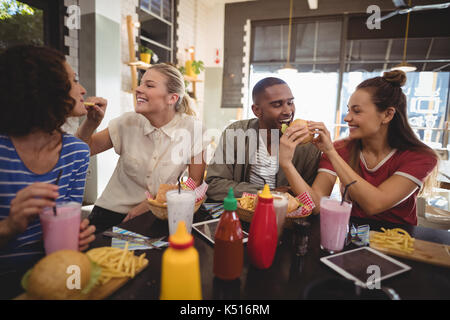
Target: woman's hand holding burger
x,y
301,132
323,139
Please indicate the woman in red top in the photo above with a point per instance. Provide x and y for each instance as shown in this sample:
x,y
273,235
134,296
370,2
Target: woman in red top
x,y
382,153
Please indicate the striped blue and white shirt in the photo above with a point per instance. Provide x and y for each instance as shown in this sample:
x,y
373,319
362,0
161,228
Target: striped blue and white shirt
x,y
14,176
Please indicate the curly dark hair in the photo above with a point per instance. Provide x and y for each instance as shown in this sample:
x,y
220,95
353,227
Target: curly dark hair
x,y
34,90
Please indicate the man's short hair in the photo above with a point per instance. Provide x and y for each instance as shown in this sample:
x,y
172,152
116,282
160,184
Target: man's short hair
x,y
263,84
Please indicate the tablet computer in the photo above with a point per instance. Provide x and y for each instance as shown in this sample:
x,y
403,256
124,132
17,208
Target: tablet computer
x,y
208,230
365,266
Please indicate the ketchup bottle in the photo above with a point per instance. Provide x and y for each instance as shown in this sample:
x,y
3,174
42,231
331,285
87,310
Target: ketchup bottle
x,y
262,238
228,246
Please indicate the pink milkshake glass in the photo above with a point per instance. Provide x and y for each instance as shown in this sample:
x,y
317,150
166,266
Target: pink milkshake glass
x,y
334,219
63,230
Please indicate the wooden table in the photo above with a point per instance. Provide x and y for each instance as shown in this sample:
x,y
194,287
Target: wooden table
x,y
295,269
296,266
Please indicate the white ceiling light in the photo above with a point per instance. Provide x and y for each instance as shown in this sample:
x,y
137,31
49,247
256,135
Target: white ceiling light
x,y
288,69
404,66
313,4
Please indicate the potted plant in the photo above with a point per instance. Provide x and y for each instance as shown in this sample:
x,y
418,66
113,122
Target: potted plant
x,y
145,54
193,68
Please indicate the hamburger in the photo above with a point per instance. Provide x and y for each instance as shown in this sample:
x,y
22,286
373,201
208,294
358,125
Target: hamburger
x,y
162,190
55,277
299,123
293,203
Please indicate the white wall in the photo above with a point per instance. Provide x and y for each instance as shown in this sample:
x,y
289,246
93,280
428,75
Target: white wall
x,y
201,24
128,7
214,33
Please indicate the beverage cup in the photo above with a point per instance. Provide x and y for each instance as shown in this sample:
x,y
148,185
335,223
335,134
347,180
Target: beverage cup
x,y
180,206
334,219
280,204
63,230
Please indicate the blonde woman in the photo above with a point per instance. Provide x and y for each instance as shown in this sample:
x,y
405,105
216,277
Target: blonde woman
x,y
382,153
147,141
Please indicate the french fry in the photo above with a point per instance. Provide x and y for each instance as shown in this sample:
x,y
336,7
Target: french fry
x,y
248,202
116,263
396,238
89,104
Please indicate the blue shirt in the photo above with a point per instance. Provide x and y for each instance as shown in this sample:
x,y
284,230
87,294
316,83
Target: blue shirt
x,y
14,176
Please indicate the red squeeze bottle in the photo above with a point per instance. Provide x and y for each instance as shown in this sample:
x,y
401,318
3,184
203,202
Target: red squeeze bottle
x,y
228,246
262,238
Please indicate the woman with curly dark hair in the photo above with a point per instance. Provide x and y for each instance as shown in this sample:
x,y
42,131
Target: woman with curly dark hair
x,y
382,154
38,91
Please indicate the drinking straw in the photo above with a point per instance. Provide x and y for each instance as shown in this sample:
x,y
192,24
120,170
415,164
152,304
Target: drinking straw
x,y
56,182
345,191
179,183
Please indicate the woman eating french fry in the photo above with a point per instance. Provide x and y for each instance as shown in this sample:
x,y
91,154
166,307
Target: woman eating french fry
x,y
38,92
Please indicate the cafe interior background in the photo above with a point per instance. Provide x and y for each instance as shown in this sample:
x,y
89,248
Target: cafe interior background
x,y
332,46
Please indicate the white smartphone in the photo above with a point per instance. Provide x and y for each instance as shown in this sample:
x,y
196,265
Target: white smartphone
x,y
208,229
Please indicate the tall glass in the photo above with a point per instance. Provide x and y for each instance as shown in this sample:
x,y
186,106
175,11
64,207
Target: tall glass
x,y
280,204
61,231
334,219
180,206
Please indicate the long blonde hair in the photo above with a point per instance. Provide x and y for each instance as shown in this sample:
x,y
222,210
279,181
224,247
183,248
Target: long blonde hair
x,y
175,84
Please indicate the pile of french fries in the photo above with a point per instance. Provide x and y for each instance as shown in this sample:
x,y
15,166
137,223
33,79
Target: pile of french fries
x,y
396,238
248,202
116,262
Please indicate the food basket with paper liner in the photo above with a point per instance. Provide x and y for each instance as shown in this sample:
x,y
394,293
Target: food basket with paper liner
x,y
158,204
298,207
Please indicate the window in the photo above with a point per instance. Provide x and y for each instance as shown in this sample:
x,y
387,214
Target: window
x,y
332,59
156,33
315,48
426,89
20,24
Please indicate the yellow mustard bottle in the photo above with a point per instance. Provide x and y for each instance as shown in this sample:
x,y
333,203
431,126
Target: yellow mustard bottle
x,y
180,271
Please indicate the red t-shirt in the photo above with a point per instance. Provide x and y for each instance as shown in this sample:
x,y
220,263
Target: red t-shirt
x,y
412,165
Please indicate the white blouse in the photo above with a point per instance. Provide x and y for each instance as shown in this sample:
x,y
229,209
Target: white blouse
x,y
149,156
